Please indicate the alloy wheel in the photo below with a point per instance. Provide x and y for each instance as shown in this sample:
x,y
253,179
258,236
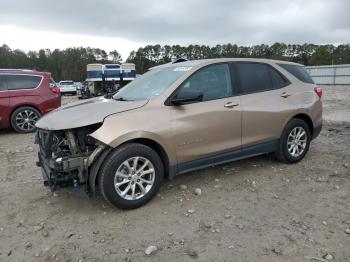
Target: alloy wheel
x,y
134,178
297,141
26,119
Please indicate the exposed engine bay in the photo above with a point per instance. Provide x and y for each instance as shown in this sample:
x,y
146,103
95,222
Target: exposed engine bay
x,y
65,156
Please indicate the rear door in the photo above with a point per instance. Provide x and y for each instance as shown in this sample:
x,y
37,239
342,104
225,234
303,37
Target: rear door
x,y
4,102
265,105
212,126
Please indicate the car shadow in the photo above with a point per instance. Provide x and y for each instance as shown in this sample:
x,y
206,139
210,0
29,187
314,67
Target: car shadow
x,y
7,131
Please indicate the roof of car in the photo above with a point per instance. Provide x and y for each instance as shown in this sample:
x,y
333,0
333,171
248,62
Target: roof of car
x,y
194,63
22,71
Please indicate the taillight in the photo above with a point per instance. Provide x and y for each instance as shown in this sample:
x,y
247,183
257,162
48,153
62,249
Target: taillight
x,y
56,90
318,91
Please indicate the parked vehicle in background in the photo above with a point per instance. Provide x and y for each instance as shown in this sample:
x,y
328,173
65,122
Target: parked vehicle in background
x,y
26,95
85,91
67,87
177,118
109,78
79,86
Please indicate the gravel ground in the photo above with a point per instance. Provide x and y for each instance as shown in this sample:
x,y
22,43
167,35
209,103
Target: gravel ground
x,y
251,210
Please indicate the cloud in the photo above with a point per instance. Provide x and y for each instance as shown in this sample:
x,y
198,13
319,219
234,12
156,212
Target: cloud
x,y
184,22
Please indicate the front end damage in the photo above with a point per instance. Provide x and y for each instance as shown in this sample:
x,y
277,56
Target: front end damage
x,y
66,157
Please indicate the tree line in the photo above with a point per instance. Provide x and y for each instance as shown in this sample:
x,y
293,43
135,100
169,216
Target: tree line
x,y
70,63
306,54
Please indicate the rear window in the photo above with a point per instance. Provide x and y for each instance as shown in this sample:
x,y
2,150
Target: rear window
x,y
299,72
17,82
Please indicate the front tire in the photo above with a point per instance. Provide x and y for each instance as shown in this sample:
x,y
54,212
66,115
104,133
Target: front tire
x,y
23,119
131,176
294,142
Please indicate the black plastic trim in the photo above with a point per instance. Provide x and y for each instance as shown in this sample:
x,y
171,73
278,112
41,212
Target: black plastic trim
x,y
317,131
93,172
227,156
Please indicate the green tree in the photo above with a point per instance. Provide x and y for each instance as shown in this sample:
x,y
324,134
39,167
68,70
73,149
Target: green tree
x,y
115,57
70,63
321,56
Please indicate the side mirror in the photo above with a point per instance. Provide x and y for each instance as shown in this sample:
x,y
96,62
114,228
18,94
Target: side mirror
x,y
187,96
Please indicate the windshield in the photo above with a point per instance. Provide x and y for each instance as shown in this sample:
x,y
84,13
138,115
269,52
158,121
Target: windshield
x,y
151,84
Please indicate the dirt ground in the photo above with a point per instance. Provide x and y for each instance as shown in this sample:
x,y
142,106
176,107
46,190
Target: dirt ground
x,y
251,210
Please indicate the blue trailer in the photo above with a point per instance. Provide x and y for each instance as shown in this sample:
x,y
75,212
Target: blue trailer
x,y
110,76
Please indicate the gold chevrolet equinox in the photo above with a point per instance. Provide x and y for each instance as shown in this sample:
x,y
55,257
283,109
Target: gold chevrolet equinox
x,y
176,118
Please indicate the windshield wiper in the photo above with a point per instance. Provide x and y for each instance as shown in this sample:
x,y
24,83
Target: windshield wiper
x,y
121,99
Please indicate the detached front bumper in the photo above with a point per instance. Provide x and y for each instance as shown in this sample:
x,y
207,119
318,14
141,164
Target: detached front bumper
x,y
63,172
67,171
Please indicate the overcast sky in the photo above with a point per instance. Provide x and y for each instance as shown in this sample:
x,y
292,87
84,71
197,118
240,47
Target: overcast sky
x,y
129,24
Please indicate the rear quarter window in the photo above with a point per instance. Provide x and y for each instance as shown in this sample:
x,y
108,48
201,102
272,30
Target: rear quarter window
x,y
18,82
278,81
299,72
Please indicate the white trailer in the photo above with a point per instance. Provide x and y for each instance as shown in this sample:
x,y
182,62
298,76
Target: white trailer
x,y
100,76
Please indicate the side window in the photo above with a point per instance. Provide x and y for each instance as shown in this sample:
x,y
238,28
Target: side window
x,y
254,77
214,81
3,85
15,82
278,81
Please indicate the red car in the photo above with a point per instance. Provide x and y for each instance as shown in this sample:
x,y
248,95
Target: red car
x,y
26,95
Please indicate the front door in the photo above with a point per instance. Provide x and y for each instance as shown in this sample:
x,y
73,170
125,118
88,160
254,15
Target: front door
x,y
212,126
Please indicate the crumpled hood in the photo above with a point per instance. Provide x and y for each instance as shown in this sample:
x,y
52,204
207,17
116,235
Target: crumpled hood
x,y
85,112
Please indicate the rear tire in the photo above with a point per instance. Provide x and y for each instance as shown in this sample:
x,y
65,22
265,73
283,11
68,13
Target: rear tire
x,y
294,142
24,118
126,179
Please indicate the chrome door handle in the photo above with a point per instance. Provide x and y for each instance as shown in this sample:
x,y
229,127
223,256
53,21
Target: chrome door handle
x,y
285,94
230,104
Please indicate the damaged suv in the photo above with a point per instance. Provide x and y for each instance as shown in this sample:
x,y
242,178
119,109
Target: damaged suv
x,y
177,118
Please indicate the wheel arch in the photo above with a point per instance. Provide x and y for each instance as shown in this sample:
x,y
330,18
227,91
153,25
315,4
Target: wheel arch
x,y
307,120
152,139
25,105
158,149
280,154
156,146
